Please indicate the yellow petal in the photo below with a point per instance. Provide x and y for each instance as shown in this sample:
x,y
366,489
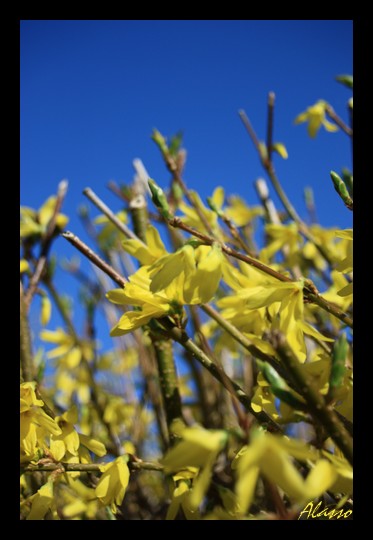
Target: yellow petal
x,y
95,446
346,291
57,449
139,250
134,319
280,149
42,502
302,117
320,479
23,266
46,310
201,484
329,126
154,242
218,197
245,487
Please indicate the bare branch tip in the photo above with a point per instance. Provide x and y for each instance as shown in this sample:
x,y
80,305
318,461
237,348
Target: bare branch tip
x,y
62,187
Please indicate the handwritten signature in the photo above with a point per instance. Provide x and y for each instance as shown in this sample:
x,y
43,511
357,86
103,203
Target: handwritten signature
x,y
326,512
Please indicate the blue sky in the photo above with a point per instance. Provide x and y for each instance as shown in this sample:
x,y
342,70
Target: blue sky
x,y
92,91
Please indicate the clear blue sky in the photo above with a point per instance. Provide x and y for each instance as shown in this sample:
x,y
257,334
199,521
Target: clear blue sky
x,y
91,92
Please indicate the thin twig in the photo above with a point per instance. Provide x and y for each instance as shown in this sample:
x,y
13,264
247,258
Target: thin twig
x,y
216,371
310,294
334,116
91,195
269,168
93,257
27,366
90,467
271,104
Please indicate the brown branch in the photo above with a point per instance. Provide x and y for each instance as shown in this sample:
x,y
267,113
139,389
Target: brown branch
x,y
45,245
90,467
271,104
94,258
334,116
27,365
269,168
310,293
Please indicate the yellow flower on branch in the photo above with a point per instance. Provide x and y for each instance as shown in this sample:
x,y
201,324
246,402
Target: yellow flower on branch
x,y
285,300
67,445
68,351
189,276
198,448
316,117
34,423
112,485
240,213
272,456
42,502
35,222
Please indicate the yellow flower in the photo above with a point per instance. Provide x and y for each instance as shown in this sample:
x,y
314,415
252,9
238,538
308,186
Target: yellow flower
x,y
68,352
284,299
191,216
316,117
149,252
346,264
271,456
186,277
34,423
67,443
112,485
109,234
198,448
42,502
36,222
281,236
240,213
195,273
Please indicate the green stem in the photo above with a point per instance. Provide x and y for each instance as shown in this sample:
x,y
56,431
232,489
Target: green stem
x,y
317,405
216,371
168,379
162,347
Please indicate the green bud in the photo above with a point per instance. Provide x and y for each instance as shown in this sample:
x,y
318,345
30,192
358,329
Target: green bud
x,y
160,141
279,386
347,80
348,180
177,192
341,189
159,199
339,357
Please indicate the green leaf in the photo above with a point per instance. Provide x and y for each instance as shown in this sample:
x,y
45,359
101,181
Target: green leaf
x,y
280,149
346,80
175,143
